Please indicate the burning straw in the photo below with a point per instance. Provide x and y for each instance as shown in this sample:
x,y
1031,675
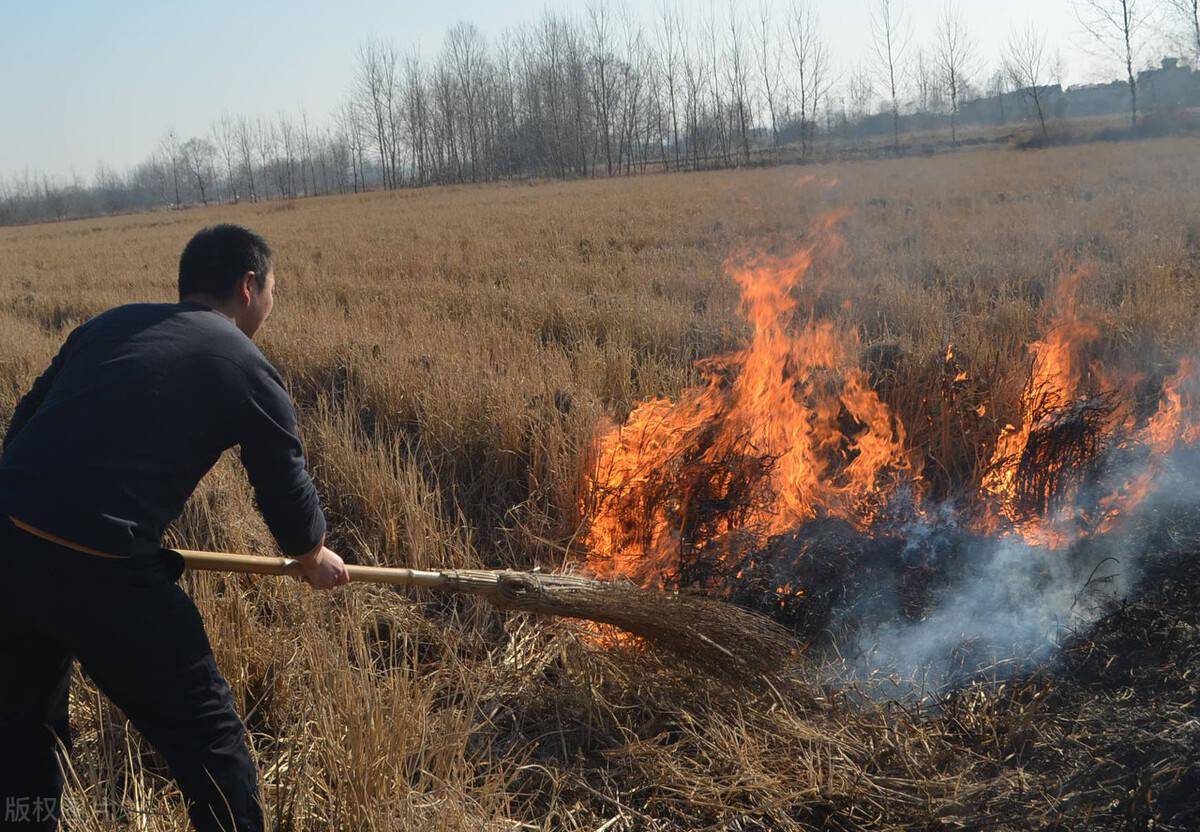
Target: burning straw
x,y
1062,449
786,481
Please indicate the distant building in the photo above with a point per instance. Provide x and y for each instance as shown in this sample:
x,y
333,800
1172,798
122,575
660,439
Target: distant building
x,y
1017,105
1173,85
1169,87
1097,99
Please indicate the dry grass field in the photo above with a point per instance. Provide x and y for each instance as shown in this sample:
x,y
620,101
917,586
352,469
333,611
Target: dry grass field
x,y
454,352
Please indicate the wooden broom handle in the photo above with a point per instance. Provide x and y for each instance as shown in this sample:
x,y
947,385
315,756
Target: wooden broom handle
x,y
258,565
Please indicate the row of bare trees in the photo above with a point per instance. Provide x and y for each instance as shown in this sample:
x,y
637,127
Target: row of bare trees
x,y
238,158
605,93
597,95
243,158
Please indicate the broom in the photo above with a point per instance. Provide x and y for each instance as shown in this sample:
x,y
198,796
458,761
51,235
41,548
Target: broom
x,y
717,637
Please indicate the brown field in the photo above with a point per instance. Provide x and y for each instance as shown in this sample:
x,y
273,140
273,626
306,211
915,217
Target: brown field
x,y
453,352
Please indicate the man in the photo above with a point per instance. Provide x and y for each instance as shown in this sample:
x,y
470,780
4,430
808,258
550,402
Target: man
x,y
99,458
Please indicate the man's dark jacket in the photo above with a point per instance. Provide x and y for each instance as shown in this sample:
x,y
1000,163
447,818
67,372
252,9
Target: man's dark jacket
x,y
136,407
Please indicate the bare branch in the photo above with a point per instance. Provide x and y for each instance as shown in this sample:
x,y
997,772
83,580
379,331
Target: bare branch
x,y
1116,26
1026,65
891,34
954,57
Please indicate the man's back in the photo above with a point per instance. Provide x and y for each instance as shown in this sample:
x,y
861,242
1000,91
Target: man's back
x,y
136,408
100,456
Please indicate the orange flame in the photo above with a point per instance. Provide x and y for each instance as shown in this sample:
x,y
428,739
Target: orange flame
x,y
1176,421
1057,378
787,428
1062,375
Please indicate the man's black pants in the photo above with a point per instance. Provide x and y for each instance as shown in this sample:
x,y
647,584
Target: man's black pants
x,y
140,638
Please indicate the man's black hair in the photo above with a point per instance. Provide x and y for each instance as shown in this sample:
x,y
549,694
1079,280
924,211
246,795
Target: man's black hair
x,y
218,257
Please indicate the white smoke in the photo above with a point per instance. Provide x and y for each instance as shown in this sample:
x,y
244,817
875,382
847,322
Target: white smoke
x,y
1010,603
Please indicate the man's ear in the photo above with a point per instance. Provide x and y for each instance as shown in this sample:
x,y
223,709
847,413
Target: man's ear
x,y
245,287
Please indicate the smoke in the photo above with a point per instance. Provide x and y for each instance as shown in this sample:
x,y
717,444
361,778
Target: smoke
x,y
1012,603
1009,604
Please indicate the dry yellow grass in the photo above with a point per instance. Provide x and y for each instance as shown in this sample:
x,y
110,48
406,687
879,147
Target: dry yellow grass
x,y
452,352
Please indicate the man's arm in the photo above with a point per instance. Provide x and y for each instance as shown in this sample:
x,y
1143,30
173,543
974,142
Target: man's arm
x,y
274,460
287,498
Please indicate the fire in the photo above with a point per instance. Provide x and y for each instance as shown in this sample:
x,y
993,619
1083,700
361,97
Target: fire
x,y
789,430
1024,477
1075,411
781,432
1176,421
1175,424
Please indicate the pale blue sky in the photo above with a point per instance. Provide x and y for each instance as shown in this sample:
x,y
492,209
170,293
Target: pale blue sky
x,y
85,81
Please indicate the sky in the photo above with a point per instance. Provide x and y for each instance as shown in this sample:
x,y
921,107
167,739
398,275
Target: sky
x,y
89,81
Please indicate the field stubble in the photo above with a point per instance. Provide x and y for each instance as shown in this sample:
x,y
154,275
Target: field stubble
x,y
453,352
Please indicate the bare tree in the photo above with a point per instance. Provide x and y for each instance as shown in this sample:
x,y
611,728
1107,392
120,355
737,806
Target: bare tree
x,y
376,84
265,141
1116,27
954,56
602,78
350,126
998,88
341,160
547,88
444,124
579,114
393,100
308,171
109,188
1188,12
246,147
169,147
890,34
810,62
739,86
657,121
289,142
695,80
669,46
506,101
416,110
768,66
224,134
324,143
198,156
466,53
1026,65
862,92
635,69
710,31
370,98
1058,69
924,79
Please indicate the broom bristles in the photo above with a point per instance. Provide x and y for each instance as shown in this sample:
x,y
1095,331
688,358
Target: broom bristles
x,y
717,637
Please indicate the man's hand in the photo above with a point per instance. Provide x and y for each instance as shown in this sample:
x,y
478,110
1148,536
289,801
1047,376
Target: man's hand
x,y
323,568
